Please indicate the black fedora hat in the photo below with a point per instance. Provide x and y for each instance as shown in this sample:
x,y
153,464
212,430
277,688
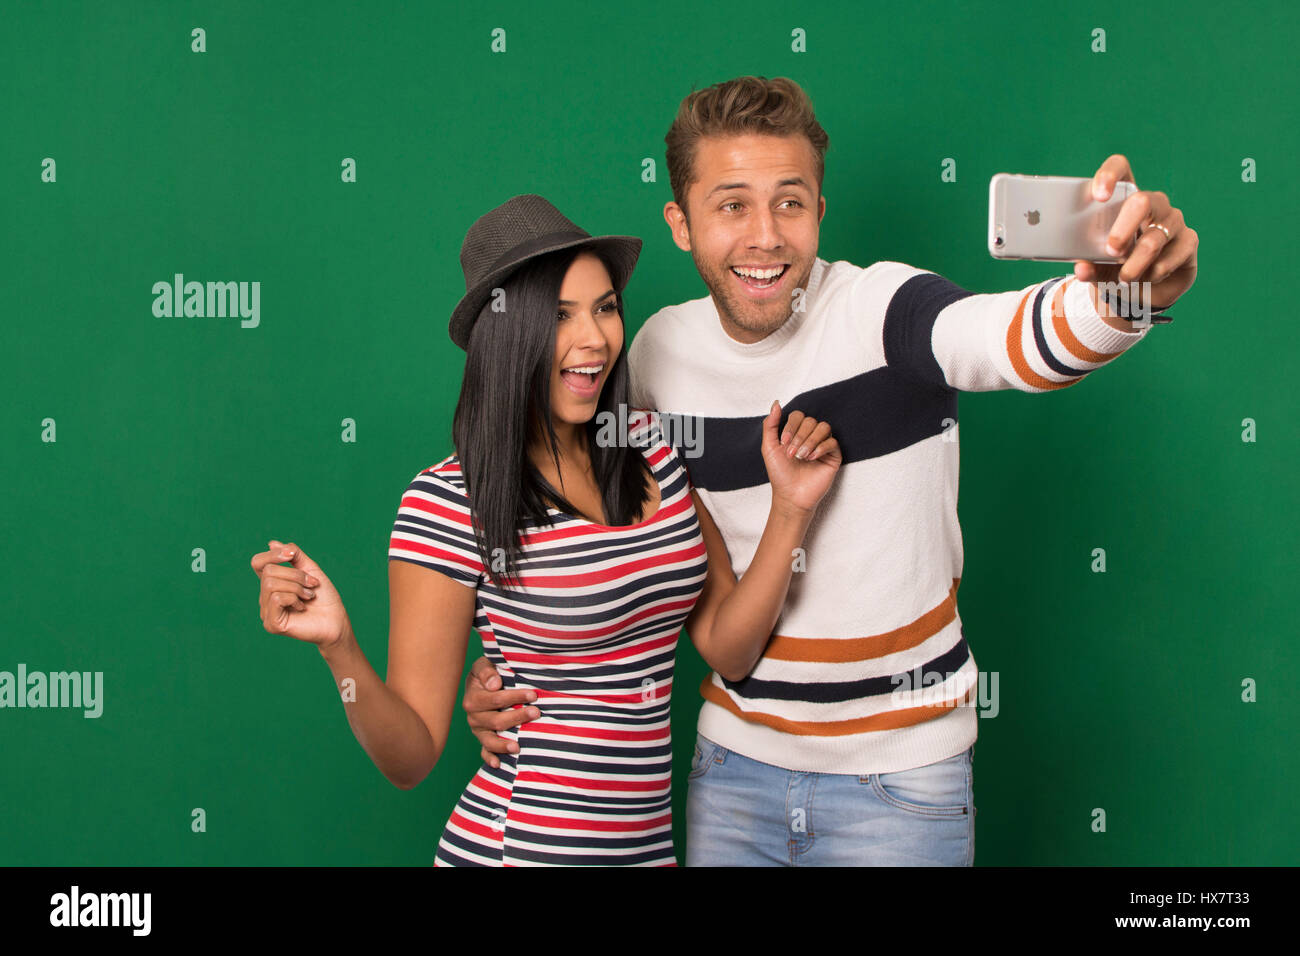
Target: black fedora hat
x,y
520,229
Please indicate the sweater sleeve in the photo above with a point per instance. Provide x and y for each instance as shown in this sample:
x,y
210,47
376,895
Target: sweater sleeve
x,y
1036,339
433,529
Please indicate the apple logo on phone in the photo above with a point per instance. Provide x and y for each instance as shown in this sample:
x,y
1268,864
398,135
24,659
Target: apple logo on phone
x,y
1032,216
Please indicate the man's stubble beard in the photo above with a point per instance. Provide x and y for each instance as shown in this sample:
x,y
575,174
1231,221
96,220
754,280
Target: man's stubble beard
x,y
734,310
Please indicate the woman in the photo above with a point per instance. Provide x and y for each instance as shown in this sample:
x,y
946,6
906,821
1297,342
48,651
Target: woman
x,y
575,552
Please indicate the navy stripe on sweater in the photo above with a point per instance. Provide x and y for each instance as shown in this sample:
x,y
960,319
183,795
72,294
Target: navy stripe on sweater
x,y
872,414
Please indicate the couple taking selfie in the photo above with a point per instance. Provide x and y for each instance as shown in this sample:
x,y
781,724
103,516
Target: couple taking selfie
x,y
807,542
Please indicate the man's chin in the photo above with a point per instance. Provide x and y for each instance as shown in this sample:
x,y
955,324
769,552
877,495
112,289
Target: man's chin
x,y
757,323
744,315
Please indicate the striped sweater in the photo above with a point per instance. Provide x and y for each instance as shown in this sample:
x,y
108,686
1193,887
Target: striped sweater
x,y
868,666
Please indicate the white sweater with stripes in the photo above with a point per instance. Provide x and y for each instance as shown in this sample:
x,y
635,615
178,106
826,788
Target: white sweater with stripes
x,y
868,670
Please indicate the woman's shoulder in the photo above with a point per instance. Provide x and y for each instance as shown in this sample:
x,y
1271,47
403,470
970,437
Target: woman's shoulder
x,y
434,527
449,470
656,434
644,425
444,478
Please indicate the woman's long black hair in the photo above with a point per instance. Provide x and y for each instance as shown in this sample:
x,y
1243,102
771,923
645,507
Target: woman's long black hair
x,y
506,395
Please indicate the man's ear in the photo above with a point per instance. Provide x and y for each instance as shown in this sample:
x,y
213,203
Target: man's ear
x,y
676,219
821,208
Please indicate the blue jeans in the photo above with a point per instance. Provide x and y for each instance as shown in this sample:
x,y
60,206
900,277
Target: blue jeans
x,y
740,812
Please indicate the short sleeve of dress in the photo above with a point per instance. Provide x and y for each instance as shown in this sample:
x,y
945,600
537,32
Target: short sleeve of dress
x,y
433,529
648,427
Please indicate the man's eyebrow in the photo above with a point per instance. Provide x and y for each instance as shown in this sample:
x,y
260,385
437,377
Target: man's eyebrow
x,y
791,181
603,295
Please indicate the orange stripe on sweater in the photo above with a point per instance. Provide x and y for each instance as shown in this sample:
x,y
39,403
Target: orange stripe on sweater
x,y
1016,354
1066,334
830,650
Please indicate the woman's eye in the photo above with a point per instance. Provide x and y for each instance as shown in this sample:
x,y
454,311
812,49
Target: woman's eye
x,y
611,306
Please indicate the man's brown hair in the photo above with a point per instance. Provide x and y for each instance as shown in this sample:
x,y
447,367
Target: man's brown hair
x,y
747,104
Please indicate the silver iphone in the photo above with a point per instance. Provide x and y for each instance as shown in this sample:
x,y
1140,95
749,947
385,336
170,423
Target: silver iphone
x,y
1051,218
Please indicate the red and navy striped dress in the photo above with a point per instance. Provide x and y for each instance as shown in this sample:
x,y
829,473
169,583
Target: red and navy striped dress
x,y
594,633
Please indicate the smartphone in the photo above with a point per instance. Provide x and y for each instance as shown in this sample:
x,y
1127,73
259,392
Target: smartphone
x,y
1051,218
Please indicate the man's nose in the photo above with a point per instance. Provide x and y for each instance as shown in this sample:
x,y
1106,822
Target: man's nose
x,y
763,230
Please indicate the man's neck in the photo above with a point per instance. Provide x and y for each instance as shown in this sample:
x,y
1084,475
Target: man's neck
x,y
742,335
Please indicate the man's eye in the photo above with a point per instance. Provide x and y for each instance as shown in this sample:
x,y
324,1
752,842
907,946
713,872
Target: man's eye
x,y
730,204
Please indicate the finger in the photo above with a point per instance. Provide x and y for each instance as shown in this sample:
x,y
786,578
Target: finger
x,y
285,551
800,434
490,701
298,557
1140,208
1115,169
1145,251
477,697
281,599
814,438
510,718
827,451
264,558
291,574
791,426
1151,245
485,673
282,552
1177,253
1084,271
489,759
491,743
278,583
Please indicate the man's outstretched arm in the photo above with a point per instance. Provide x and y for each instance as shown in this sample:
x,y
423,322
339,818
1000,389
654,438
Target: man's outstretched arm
x,y
1051,334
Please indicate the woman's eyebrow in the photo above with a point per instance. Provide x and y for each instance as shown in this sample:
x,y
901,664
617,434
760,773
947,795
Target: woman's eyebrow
x,y
603,295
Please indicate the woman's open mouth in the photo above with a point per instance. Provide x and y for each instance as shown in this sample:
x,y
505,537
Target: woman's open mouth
x,y
583,380
760,282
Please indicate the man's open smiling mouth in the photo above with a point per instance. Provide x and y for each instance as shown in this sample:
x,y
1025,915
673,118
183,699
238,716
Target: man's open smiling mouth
x,y
760,278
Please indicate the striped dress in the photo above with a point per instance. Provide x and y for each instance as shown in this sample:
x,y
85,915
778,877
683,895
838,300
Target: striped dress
x,y
594,633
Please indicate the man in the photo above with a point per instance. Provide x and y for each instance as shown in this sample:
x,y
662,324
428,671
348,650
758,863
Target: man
x,y
831,751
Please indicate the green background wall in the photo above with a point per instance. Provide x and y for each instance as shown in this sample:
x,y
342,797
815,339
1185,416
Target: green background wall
x,y
1119,690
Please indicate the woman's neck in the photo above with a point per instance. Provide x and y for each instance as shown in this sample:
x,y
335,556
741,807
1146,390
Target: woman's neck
x,y
570,446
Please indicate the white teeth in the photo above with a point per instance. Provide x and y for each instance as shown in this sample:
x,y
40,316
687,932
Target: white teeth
x,y
592,369
758,273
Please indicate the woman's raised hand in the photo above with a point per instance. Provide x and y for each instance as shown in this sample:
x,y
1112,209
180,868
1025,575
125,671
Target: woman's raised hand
x,y
802,461
299,601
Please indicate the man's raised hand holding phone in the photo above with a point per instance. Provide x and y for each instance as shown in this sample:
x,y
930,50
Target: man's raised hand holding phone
x,y
1152,242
